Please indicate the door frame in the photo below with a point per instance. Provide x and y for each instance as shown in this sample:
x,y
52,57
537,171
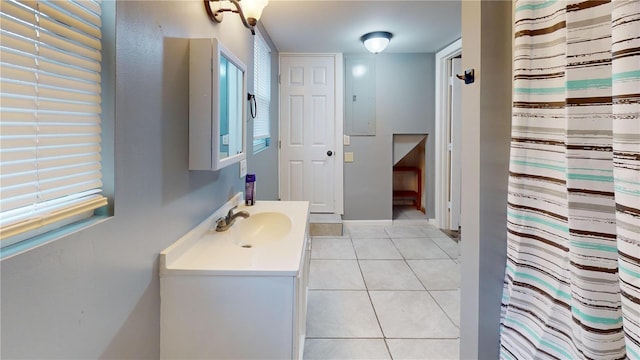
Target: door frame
x,y
338,62
443,60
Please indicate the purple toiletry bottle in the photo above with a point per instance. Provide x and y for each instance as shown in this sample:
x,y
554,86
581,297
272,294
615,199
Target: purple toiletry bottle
x,y
250,189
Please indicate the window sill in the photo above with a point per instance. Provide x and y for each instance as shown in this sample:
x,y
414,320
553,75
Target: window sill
x,y
261,145
50,236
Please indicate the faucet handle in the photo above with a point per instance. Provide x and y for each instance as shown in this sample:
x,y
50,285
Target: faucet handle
x,y
231,211
221,223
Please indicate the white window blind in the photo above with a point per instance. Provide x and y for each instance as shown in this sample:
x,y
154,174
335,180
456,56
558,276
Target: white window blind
x,y
50,104
262,89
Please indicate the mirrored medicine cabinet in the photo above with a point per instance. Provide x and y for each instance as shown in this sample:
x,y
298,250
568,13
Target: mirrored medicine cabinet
x,y
217,88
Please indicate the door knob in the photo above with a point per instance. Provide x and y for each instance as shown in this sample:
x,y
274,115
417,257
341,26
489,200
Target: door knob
x,y
329,153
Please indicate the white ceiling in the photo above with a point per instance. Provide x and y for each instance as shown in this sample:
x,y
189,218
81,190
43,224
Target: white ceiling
x,y
337,25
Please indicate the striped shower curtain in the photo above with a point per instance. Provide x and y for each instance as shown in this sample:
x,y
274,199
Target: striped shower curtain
x,y
572,284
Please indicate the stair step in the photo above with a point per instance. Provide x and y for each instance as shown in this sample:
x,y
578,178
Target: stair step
x,y
325,225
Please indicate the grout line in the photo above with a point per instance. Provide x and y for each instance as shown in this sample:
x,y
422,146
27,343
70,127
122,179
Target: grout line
x,y
366,288
344,338
443,311
379,338
443,250
409,266
386,345
416,275
424,286
403,290
370,301
351,290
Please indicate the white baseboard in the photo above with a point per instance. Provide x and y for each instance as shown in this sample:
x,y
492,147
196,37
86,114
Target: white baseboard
x,y
431,222
367,222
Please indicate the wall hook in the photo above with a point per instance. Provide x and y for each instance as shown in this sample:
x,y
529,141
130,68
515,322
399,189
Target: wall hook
x,y
468,76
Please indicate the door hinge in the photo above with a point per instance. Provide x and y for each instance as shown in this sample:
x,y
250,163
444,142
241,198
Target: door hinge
x,y
449,205
450,147
279,79
279,144
451,81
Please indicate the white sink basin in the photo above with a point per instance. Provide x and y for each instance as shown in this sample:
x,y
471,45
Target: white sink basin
x,y
259,229
271,241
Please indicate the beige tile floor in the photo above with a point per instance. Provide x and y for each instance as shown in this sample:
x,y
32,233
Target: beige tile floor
x,y
384,292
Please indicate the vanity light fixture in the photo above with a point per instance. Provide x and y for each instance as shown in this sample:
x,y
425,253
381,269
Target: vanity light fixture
x,y
249,13
376,41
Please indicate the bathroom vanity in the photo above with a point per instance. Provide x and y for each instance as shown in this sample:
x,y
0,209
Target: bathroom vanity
x,y
241,293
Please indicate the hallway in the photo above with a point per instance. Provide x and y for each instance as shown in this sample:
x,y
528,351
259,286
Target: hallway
x,y
384,292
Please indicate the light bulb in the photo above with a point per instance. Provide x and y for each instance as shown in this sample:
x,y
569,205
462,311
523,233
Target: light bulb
x,y
376,41
252,9
376,45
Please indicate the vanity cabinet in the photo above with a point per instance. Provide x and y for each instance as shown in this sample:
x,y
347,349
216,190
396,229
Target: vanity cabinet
x,y
233,317
211,312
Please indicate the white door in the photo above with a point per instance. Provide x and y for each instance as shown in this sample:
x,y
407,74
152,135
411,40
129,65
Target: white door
x,y
455,145
307,130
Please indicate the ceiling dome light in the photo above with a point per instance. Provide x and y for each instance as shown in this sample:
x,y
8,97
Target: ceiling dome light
x,y
376,41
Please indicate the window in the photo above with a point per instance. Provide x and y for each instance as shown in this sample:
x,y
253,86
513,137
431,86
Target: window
x,y
262,89
50,131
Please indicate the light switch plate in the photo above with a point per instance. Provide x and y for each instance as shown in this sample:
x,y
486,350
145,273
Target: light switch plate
x,y
243,168
348,157
346,140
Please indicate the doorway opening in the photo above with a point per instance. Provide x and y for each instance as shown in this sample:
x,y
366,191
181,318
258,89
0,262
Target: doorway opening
x,y
448,132
408,176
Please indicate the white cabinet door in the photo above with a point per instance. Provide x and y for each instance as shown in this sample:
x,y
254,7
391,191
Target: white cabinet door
x,y
302,282
227,317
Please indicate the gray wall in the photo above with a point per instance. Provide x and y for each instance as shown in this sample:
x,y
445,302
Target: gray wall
x,y
486,120
404,104
95,294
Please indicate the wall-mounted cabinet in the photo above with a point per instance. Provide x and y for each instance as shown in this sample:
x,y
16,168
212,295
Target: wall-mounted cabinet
x,y
217,88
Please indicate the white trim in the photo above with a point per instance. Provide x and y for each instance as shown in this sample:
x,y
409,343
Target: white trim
x,y
348,223
260,44
442,132
338,190
414,222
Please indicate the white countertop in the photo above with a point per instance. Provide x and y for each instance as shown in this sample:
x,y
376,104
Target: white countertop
x,y
203,251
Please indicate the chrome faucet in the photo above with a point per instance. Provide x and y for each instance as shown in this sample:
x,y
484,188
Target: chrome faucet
x,y
225,222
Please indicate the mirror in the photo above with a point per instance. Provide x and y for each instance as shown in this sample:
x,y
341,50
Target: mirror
x,y
217,126
231,111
